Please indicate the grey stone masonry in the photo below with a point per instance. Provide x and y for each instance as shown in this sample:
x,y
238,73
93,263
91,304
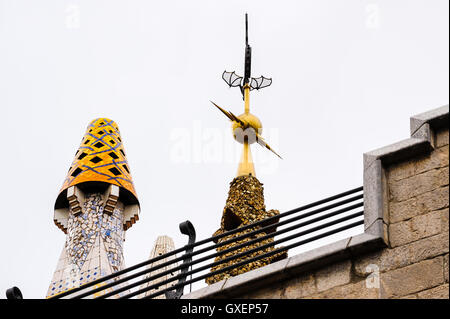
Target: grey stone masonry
x,y
375,188
405,232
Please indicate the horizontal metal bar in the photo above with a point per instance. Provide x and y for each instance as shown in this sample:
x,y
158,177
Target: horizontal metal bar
x,y
156,267
256,249
145,271
118,273
293,211
253,241
247,261
182,249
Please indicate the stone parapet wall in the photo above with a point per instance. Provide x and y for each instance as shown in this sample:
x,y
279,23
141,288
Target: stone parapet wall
x,y
406,207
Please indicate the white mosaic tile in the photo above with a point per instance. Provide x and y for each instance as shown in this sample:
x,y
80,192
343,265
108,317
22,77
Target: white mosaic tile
x,y
93,248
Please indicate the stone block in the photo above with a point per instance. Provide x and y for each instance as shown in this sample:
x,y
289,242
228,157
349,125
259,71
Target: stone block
x,y
441,138
315,257
264,293
300,287
396,152
446,266
364,243
418,120
427,248
358,290
402,170
443,176
255,278
439,292
444,217
415,228
413,278
436,159
378,229
333,275
402,256
373,193
423,133
418,184
434,200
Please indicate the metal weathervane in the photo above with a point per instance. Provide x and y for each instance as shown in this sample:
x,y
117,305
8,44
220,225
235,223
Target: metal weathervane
x,y
247,128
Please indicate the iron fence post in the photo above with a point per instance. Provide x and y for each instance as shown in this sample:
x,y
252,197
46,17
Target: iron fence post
x,y
188,229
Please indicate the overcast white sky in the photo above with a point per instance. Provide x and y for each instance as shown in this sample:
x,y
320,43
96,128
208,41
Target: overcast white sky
x,y
347,75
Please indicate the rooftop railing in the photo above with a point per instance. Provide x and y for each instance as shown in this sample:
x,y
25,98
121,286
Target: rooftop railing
x,y
161,275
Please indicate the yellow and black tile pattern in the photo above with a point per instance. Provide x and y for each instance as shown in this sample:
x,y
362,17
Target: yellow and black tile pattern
x,y
100,158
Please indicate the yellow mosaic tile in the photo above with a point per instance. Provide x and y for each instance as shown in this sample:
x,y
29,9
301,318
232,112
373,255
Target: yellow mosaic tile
x,y
100,158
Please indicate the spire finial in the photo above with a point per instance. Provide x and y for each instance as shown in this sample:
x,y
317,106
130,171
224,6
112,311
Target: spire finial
x,y
246,29
246,127
248,55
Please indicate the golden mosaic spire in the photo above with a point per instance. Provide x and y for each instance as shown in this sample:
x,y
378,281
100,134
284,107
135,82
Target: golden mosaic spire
x,y
100,161
245,204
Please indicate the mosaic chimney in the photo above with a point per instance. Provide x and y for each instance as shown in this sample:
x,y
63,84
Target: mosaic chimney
x,y
96,205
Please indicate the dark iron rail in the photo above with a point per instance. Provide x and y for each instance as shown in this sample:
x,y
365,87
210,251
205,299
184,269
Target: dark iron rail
x,y
344,204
